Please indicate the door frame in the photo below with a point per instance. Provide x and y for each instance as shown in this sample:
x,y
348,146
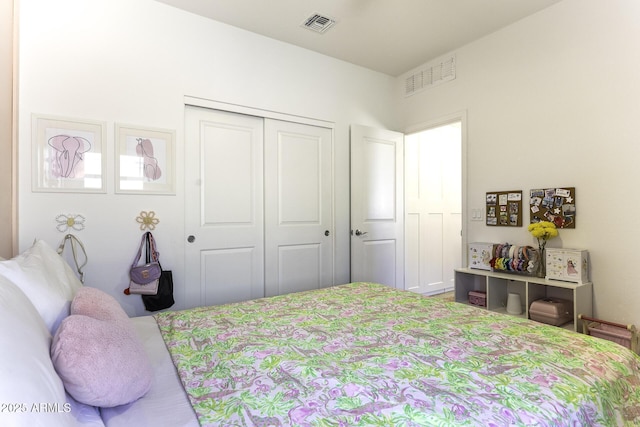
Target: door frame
x,y
258,112
459,116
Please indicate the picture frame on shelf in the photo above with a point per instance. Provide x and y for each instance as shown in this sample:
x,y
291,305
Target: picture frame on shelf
x,y
68,155
145,160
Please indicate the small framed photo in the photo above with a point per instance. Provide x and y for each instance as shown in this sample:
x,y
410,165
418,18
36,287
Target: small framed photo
x,y
145,160
68,155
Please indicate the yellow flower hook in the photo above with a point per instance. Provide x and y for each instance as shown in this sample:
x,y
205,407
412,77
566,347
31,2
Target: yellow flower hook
x,y
147,220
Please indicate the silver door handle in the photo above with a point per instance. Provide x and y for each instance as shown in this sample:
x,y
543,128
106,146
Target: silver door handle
x,y
360,233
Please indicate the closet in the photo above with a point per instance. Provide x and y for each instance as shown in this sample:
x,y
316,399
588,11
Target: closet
x,y
258,206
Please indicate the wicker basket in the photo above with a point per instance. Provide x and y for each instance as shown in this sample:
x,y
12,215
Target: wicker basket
x,y
625,335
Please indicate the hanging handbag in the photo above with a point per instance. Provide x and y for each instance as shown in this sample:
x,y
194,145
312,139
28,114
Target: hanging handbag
x,y
144,279
164,297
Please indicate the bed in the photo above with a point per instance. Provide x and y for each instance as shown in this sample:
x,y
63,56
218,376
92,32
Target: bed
x,y
358,354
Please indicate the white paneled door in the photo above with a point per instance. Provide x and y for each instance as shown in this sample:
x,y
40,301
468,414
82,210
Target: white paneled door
x,y
259,213
377,206
298,207
433,208
224,207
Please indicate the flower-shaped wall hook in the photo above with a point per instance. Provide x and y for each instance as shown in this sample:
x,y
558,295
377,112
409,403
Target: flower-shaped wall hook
x,y
69,221
147,220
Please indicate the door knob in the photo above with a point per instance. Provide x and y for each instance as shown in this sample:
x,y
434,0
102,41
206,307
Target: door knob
x,y
327,232
191,239
360,233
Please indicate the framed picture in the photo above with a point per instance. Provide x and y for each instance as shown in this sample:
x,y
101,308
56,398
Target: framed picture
x,y
557,205
504,208
68,155
145,160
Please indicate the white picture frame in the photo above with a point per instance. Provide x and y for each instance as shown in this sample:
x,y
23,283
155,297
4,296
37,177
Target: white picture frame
x,y
145,160
68,155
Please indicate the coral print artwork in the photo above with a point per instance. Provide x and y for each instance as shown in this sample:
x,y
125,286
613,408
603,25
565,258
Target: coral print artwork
x,y
150,167
146,160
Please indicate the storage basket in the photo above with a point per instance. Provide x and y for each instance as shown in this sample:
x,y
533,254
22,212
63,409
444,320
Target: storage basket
x,y
478,298
625,335
553,311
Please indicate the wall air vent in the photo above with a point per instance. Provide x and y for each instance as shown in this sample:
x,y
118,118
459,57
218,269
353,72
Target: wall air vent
x,y
430,75
318,23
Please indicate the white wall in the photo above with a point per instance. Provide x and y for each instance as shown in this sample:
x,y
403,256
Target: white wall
x,y
133,61
553,101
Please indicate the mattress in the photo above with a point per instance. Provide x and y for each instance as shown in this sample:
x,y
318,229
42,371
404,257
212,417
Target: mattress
x,y
166,401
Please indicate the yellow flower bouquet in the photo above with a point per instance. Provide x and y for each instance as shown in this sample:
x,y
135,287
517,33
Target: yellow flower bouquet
x,y
542,231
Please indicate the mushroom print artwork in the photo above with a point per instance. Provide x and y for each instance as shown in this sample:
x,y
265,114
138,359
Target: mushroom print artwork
x,y
68,159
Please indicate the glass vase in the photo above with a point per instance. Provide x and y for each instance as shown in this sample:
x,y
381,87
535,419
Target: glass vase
x,y
541,270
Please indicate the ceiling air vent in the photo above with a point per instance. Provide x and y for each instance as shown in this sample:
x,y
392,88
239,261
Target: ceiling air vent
x,y
318,23
430,75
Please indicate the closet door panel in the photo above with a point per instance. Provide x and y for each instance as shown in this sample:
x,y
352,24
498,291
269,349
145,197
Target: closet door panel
x,y
291,278
228,159
299,178
223,207
231,270
298,207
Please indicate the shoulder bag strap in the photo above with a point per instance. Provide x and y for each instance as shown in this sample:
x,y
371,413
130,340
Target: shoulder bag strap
x,y
73,241
152,251
147,247
155,255
139,254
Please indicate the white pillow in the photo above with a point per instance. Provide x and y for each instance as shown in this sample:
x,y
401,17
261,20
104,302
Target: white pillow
x,y
29,386
46,279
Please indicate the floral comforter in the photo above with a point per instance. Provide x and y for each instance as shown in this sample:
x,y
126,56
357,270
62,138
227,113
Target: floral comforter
x,y
363,354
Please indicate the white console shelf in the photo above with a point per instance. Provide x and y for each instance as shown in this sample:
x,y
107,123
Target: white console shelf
x,y
499,285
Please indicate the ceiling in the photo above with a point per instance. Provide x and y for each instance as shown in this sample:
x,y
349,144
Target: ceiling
x,y
389,36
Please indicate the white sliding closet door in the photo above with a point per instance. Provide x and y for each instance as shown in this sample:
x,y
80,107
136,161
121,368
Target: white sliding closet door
x,y
224,207
298,207
259,207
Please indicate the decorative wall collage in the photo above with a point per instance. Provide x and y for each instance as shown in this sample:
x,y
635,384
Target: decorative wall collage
x,y
70,155
504,208
557,205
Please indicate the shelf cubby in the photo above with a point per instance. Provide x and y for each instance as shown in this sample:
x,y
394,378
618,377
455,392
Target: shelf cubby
x,y
498,286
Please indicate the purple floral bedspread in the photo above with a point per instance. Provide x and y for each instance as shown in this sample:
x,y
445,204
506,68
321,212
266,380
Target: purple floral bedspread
x,y
363,354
